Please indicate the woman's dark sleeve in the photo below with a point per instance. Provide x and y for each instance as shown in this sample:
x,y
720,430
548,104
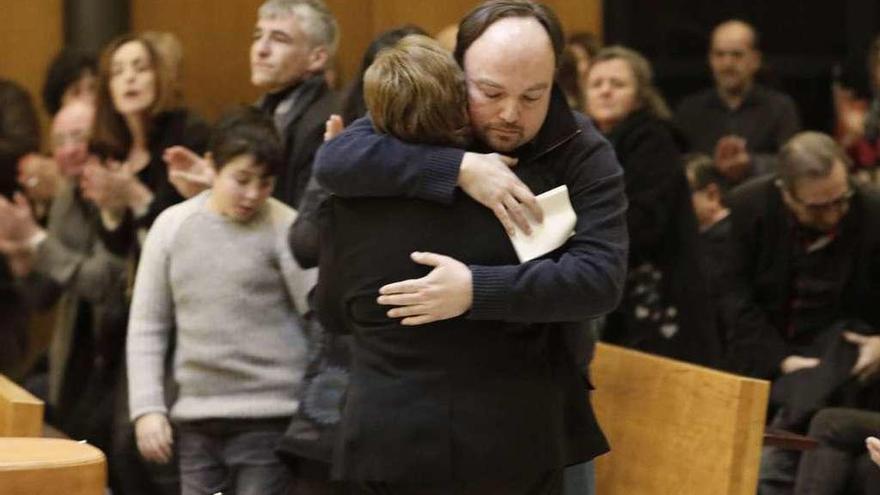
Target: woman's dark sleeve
x,y
654,178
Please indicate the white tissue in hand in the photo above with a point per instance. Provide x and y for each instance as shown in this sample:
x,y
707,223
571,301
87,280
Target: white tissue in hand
x,y
558,226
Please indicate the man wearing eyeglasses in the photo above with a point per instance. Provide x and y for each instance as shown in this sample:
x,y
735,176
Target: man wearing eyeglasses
x,y
803,287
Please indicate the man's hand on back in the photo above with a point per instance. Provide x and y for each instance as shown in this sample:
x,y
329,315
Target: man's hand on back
x,y
487,179
444,293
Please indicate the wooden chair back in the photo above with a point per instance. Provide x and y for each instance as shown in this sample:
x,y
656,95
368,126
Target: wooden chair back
x,y
676,428
21,414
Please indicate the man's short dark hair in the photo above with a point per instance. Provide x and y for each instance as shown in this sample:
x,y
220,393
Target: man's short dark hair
x,y
480,18
65,69
247,131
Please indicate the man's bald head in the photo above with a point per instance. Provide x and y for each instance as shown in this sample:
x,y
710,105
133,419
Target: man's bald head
x,y
71,129
488,13
734,57
739,29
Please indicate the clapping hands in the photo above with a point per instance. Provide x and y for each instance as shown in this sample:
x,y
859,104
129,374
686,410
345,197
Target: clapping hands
x,y
189,173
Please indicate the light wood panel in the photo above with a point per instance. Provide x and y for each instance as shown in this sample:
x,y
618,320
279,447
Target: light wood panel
x,y
215,38
676,428
21,414
32,34
50,466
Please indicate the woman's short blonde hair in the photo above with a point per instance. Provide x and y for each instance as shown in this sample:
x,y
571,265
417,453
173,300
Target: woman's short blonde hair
x,y
415,90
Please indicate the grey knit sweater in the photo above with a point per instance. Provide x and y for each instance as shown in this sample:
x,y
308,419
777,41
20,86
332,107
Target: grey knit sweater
x,y
235,295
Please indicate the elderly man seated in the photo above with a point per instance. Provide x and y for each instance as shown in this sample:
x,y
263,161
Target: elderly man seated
x,y
801,288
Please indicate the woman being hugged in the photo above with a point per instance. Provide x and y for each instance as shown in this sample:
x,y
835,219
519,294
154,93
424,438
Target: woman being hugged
x,y
216,269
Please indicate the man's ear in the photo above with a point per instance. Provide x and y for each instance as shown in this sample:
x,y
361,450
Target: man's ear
x,y
318,58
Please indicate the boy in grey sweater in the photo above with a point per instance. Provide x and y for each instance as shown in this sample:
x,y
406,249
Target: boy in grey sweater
x,y
216,270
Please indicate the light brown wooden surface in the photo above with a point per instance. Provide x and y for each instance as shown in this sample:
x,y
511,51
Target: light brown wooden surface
x,y
51,466
675,428
21,414
31,36
216,36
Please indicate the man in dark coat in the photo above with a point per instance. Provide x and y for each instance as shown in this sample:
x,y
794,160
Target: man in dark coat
x,y
802,287
293,41
469,437
739,122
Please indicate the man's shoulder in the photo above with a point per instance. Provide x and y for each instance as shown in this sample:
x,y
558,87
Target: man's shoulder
x,y
696,102
588,156
752,194
773,97
589,136
870,199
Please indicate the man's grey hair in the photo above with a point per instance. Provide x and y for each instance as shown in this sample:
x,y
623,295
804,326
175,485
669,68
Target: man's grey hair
x,y
315,20
811,155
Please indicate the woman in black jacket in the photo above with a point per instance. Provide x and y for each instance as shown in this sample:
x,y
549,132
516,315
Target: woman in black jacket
x,y
137,117
665,306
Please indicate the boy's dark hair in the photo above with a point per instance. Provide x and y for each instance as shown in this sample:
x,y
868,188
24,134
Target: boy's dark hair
x,y
701,171
65,69
247,131
484,15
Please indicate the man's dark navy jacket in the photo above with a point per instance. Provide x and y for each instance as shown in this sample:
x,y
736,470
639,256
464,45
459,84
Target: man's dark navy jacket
x,y
494,393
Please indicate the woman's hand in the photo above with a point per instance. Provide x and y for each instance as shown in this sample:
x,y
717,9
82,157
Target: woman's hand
x,y
189,173
106,186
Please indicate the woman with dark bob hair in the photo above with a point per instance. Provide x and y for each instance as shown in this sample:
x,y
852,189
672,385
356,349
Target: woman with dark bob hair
x,y
664,304
138,115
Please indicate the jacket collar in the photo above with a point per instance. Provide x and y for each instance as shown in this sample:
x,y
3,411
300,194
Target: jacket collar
x,y
302,94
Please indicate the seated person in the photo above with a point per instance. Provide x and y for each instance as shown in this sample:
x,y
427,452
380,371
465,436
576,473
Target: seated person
x,y
713,216
479,405
802,281
841,464
66,265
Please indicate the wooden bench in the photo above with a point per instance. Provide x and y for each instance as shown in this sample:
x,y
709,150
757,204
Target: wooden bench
x,y
676,428
51,466
31,465
21,414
